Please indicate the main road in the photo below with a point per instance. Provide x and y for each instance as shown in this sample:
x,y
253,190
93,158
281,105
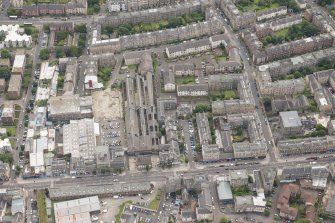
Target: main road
x,y
250,72
153,176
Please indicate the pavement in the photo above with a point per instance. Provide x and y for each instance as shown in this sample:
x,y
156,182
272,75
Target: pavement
x,y
151,176
162,176
249,71
187,141
24,101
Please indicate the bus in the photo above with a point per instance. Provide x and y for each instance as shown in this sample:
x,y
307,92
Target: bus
x,y
27,24
13,17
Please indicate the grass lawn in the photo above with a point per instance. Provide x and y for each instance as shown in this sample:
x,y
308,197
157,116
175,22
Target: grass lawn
x,y
154,204
253,6
223,95
302,30
133,67
12,142
104,75
230,94
301,212
238,138
118,216
332,12
17,111
17,114
221,58
11,131
41,206
17,107
281,33
31,2
242,191
185,80
183,158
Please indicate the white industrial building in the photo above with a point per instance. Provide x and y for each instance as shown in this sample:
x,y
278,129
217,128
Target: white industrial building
x,y
79,210
37,147
36,157
79,138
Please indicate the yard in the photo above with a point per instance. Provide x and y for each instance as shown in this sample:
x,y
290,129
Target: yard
x,y
133,67
17,111
154,204
298,31
32,31
223,95
33,2
104,75
172,22
242,191
332,12
220,58
118,216
256,5
185,80
11,131
238,135
27,74
41,206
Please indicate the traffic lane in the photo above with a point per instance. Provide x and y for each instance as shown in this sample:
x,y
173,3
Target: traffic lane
x,y
266,129
156,176
187,141
20,131
225,169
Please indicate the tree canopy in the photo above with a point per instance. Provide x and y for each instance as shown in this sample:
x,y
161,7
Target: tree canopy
x,y
44,54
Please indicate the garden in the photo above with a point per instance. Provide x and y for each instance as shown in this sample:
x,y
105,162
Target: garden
x,y
172,22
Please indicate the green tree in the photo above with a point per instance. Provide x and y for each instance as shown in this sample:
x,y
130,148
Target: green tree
x,y
5,54
324,2
46,28
107,29
202,108
44,54
224,219
60,52
72,52
80,28
267,213
6,157
28,30
14,12
5,73
61,35
96,8
174,22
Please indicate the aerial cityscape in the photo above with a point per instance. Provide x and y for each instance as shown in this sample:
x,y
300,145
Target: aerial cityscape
x,y
167,111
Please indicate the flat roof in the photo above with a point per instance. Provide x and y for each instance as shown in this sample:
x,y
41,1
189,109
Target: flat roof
x,y
76,210
18,63
331,205
238,174
290,119
241,200
91,190
224,191
47,72
14,84
64,104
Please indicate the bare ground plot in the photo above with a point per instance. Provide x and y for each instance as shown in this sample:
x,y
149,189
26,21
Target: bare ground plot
x,y
107,104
